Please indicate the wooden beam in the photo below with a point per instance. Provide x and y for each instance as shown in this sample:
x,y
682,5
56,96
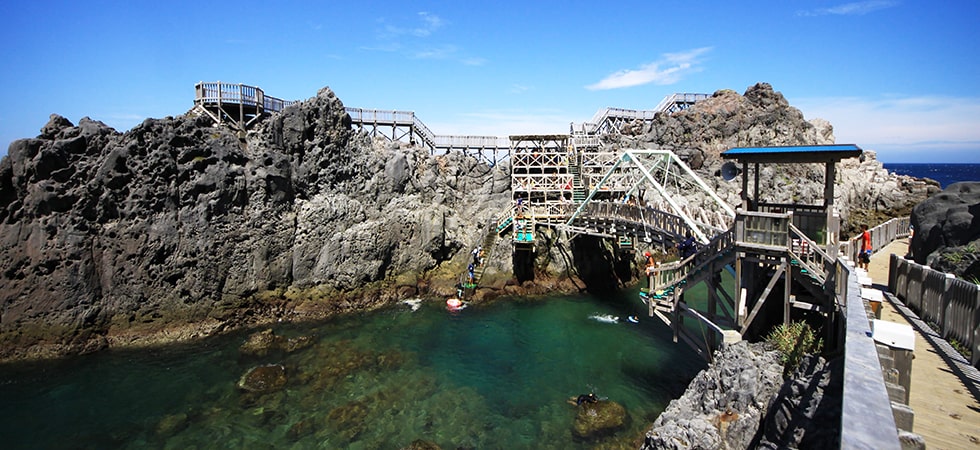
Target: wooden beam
x,y
762,298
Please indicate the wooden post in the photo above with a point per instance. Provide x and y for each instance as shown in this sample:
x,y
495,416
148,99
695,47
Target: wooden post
x,y
833,224
787,289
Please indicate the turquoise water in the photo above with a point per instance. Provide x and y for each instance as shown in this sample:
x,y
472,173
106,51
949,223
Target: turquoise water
x,y
491,376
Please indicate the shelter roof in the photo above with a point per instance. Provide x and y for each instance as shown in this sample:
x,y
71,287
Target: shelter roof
x,y
793,153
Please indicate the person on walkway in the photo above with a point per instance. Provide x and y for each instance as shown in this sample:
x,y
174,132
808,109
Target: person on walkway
x,y
865,257
686,249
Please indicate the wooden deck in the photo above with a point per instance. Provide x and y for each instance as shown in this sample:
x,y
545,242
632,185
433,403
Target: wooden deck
x,y
946,414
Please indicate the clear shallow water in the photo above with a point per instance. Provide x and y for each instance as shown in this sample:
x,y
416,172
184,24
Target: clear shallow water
x,y
494,376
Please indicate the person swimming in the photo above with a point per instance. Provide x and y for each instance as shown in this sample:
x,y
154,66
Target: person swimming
x,y
584,398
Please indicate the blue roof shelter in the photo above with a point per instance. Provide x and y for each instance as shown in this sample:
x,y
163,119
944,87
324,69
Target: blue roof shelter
x,y
806,215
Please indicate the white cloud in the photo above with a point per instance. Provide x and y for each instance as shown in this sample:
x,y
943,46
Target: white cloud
x,y
669,69
428,24
902,124
850,9
440,52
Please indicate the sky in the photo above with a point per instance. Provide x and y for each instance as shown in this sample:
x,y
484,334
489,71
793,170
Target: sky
x,y
899,77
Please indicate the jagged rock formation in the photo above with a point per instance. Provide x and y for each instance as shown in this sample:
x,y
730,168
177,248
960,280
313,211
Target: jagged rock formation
x,y
947,231
107,237
724,404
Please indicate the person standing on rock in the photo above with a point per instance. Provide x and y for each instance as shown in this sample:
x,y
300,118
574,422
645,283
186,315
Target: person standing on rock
x,y
865,257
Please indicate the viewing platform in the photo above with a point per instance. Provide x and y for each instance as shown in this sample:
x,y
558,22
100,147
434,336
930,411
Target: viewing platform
x,y
239,105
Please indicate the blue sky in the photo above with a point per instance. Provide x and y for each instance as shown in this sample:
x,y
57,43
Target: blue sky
x,y
899,77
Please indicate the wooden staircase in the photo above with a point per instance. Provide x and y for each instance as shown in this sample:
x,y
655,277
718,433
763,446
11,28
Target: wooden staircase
x,y
579,191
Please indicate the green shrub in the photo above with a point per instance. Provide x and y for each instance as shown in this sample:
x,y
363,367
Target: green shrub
x,y
793,341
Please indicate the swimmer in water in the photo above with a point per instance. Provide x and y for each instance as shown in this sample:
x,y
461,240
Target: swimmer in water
x,y
584,398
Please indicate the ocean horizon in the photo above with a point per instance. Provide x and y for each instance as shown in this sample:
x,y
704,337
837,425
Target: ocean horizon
x,y
945,173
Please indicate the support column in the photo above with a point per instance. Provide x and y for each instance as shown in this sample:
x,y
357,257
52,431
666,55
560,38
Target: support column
x,y
833,225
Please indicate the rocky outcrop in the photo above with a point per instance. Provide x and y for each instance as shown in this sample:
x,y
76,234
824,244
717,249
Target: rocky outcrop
x,y
865,191
947,231
724,404
109,237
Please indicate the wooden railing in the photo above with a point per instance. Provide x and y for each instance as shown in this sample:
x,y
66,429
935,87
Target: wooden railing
x,y
951,304
435,141
218,93
881,236
669,274
766,231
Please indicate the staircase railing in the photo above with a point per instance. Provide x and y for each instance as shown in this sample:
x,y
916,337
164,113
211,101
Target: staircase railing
x,y
809,255
668,275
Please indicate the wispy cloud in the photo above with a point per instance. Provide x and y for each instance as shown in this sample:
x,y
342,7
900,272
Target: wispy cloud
x,y
850,9
518,89
900,124
439,52
669,69
413,40
425,25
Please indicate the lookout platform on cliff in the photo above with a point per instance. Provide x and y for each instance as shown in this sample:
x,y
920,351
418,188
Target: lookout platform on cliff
x,y
239,105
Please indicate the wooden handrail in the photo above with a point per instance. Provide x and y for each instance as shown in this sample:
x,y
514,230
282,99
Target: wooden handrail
x,y
218,93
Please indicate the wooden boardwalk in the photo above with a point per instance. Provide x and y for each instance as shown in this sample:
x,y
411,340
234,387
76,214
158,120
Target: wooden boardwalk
x,y
947,415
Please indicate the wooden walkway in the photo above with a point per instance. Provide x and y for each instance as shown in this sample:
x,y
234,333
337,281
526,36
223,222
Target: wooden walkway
x,y
947,415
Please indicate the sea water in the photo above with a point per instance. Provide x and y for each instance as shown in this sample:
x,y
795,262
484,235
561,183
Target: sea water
x,y
945,174
489,376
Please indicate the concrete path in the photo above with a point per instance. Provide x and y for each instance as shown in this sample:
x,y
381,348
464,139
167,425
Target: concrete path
x,y
947,415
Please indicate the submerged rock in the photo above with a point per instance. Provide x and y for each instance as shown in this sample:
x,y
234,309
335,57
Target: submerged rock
x,y
266,341
595,420
263,379
421,444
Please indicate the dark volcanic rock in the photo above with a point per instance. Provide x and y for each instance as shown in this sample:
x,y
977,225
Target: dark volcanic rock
x,y
265,342
947,230
106,236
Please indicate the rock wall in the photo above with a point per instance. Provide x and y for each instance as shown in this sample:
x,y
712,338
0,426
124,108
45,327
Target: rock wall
x,y
108,237
724,405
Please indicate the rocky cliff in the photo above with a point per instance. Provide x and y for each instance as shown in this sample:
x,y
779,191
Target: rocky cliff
x,y
178,228
110,237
